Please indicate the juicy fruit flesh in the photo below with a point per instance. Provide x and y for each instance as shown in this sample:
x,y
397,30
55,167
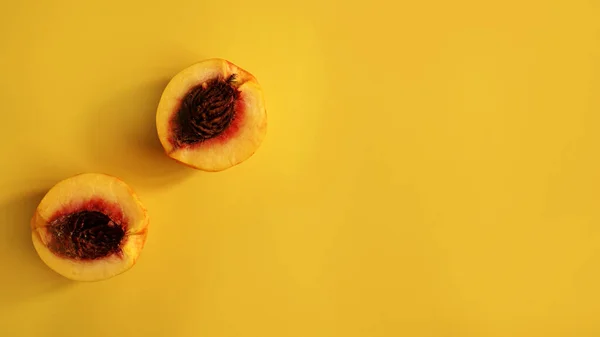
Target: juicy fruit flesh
x,y
90,227
206,111
85,235
238,140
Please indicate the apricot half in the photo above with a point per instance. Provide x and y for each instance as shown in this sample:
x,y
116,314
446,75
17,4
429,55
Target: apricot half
x,y
89,227
211,116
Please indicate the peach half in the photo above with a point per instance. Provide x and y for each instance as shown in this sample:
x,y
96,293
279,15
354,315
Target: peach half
x,y
211,116
89,227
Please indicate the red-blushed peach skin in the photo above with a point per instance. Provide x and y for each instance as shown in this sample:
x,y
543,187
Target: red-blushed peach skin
x,y
91,192
235,144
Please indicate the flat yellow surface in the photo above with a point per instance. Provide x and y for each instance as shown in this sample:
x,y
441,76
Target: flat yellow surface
x,y
432,168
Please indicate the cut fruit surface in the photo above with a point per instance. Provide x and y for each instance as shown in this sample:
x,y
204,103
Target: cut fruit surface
x,y
211,116
90,227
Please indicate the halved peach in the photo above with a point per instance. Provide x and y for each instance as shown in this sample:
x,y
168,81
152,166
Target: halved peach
x,y
90,227
211,116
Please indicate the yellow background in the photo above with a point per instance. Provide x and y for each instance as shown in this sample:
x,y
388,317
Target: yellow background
x,y
431,168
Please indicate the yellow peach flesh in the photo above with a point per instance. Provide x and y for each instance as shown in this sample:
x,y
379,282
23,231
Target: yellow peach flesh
x,y
79,189
250,128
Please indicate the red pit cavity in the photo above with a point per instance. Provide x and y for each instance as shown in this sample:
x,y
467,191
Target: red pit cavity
x,y
90,230
208,113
